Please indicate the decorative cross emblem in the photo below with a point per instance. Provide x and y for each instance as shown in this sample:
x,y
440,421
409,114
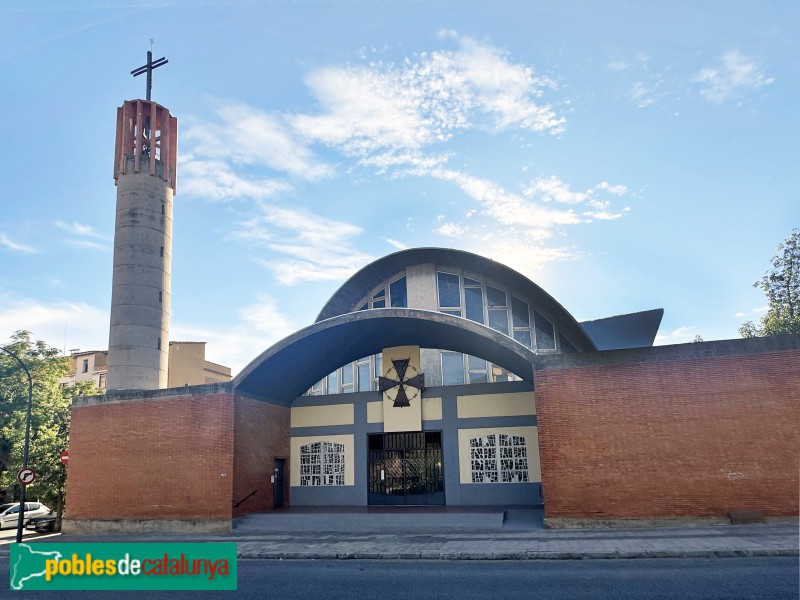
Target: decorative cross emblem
x,y
401,367
148,68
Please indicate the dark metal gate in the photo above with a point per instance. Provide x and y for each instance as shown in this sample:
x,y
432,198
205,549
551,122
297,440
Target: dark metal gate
x,y
405,468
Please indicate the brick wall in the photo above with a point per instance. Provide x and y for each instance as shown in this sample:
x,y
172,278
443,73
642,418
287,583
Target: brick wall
x,y
695,430
261,434
165,454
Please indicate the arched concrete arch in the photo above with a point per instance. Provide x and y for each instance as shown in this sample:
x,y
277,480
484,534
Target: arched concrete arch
x,y
288,368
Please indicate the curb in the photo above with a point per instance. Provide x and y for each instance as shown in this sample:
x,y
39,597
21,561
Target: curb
x,y
531,555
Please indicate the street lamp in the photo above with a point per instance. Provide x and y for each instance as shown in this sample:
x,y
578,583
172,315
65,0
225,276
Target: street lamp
x,y
27,439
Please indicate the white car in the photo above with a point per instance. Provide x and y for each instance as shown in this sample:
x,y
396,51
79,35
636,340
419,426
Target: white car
x,y
9,513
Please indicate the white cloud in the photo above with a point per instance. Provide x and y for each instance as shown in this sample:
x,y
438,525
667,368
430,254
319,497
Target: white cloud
x,y
535,213
396,244
260,325
518,224
215,180
525,255
752,311
423,101
17,247
86,325
552,189
249,136
641,95
617,190
681,335
309,247
395,119
451,230
735,75
76,228
364,110
618,65
87,244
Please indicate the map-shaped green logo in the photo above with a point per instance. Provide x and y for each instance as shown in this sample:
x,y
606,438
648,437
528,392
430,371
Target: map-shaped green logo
x,y
123,566
28,564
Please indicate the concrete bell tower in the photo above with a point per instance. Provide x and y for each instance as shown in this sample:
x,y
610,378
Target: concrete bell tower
x,y
144,172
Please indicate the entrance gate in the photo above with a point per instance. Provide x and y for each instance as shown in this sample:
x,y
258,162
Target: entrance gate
x,y
405,468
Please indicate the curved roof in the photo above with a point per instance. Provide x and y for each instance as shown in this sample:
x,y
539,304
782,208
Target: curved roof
x,y
288,368
355,288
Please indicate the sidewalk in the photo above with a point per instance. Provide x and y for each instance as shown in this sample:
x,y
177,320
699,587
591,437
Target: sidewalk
x,y
771,539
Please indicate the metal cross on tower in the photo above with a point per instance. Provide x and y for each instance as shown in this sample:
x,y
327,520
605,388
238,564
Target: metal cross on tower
x,y
148,68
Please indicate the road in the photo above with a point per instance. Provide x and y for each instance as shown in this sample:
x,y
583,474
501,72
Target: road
x,y
8,536
715,578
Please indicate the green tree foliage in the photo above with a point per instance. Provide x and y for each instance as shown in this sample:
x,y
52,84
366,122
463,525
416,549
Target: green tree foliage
x,y
781,284
50,413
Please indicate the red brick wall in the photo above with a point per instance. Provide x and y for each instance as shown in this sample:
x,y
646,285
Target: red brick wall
x,y
152,456
261,434
671,432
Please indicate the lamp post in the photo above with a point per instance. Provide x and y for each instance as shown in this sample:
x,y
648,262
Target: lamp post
x,y
27,439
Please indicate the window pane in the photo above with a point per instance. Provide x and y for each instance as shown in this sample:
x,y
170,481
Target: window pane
x,y
495,297
473,299
452,368
476,364
347,374
479,377
523,336
333,383
376,361
468,281
455,313
397,291
364,306
545,334
364,378
449,294
519,310
498,319
380,294
566,346
379,304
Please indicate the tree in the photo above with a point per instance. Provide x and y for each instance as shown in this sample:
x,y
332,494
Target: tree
x,y
50,414
698,338
781,284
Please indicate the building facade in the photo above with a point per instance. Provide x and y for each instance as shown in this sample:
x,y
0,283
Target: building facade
x,y
468,435
187,365
431,377
594,436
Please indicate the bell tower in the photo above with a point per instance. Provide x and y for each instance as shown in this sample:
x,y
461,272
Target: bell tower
x,y
144,172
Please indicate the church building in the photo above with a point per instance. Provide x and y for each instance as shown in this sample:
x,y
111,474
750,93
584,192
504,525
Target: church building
x,y
431,377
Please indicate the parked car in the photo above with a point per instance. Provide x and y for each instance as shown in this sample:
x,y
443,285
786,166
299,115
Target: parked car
x,y
43,524
9,513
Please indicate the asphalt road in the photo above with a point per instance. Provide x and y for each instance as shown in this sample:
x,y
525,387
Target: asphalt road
x,y
723,578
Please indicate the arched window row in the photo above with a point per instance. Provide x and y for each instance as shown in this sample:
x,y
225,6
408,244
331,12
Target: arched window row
x,y
392,295
492,305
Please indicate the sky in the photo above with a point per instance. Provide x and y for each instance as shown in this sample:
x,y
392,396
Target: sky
x,y
623,155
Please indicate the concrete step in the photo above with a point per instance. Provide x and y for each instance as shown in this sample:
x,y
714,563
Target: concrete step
x,y
401,519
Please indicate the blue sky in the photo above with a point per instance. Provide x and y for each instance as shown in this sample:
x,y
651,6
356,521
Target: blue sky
x,y
623,155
